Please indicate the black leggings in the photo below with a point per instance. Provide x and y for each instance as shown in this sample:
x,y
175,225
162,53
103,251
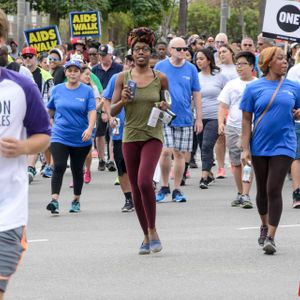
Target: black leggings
x,y
270,173
60,153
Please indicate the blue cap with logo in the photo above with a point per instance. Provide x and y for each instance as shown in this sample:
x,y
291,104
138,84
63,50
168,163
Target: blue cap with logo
x,y
71,63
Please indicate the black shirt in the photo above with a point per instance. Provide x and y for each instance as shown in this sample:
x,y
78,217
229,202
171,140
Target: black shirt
x,y
104,76
59,75
37,76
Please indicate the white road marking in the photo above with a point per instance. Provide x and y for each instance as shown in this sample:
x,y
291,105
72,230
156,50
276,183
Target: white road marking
x,y
281,226
38,241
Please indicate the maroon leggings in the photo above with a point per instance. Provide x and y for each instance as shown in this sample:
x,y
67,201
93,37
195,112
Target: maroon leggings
x,y
141,159
270,172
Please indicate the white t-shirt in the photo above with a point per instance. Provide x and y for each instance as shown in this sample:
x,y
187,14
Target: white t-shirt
x,y
294,75
22,114
232,96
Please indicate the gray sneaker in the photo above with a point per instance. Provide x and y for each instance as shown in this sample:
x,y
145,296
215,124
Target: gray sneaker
x,y
237,201
269,246
245,202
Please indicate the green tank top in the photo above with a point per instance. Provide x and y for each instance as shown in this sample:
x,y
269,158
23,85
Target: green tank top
x,y
138,112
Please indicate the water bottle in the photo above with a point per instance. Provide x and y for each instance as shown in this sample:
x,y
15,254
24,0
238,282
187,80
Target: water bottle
x,y
247,172
116,130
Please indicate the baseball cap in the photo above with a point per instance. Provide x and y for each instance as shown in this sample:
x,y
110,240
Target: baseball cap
x,y
106,49
77,57
13,42
29,50
71,63
293,45
58,52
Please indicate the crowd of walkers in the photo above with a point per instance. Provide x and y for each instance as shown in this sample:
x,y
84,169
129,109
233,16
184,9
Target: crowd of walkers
x,y
144,116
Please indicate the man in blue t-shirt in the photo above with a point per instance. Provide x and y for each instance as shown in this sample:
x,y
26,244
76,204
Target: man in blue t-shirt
x,y
183,85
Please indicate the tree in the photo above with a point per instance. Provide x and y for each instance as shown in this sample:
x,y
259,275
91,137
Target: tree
x,y
182,17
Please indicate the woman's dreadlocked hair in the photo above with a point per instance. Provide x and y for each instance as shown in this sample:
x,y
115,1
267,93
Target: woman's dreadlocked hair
x,y
143,35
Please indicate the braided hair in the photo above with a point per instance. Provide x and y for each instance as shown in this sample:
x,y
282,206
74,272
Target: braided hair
x,y
142,35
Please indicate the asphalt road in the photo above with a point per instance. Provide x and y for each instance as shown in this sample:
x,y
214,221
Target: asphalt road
x,y
210,249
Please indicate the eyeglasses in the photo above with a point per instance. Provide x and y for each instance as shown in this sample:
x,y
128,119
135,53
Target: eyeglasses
x,y
220,42
51,58
241,64
25,56
93,54
144,49
179,49
247,45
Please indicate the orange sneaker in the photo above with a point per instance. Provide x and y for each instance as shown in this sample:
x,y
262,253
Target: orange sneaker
x,y
221,173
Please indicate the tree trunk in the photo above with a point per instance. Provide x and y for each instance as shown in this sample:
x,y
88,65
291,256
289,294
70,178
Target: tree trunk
x,y
104,27
182,18
262,5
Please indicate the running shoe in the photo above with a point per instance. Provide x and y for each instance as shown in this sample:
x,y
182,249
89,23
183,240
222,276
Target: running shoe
x,y
221,173
111,167
31,173
162,193
269,246
177,196
144,249
117,181
94,153
203,184
237,201
128,206
155,246
87,176
246,202
193,164
53,206
187,174
48,172
43,168
296,198
75,207
263,235
101,165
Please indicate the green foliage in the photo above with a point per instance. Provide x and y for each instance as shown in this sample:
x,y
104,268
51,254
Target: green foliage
x,y
204,19
9,7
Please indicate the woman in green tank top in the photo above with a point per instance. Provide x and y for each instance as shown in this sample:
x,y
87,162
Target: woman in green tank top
x,y
142,144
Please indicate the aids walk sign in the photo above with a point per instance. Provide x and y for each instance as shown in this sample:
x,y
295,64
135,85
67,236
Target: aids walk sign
x,y
282,20
85,24
43,39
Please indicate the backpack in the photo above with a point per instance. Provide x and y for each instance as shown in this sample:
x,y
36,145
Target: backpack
x,y
13,66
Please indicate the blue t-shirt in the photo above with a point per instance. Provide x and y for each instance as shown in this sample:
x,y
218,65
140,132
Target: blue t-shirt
x,y
71,108
107,94
183,81
275,134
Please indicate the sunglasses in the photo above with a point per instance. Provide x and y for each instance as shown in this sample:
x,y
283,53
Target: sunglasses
x,y
25,56
51,58
179,49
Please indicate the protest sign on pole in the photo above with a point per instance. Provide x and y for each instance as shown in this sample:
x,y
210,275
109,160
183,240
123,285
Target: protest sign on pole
x,y
282,20
43,39
84,24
